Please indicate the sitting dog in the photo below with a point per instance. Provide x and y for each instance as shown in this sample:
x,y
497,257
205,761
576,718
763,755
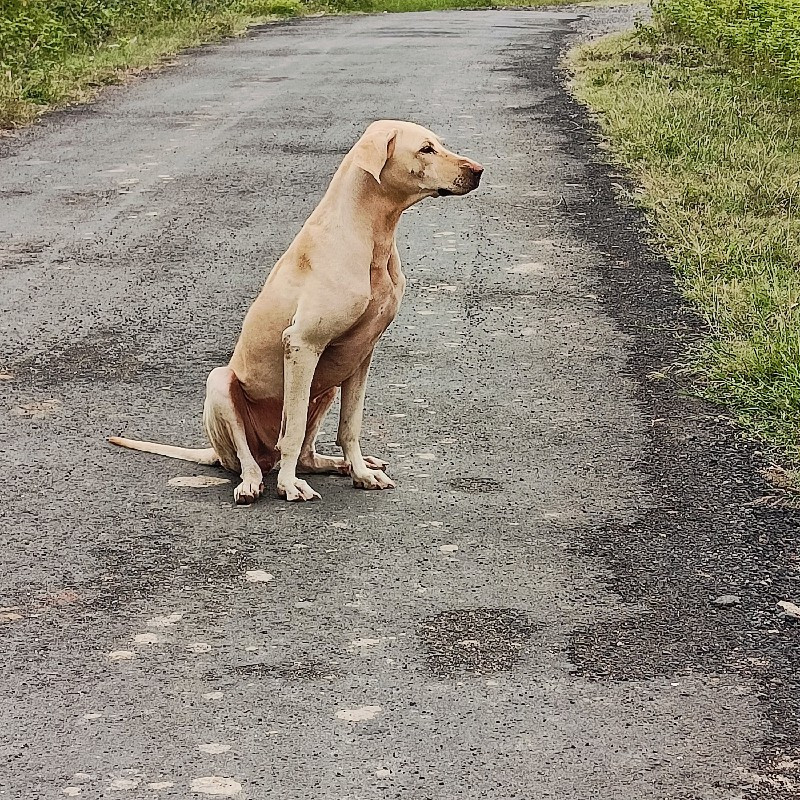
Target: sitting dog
x,y
314,326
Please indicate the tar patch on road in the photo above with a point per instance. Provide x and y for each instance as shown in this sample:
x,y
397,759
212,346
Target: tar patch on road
x,y
480,641
475,485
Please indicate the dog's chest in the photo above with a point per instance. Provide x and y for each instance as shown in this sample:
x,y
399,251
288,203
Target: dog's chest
x,y
381,310
344,355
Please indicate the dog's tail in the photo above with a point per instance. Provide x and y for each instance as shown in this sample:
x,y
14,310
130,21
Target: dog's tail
x,y
201,455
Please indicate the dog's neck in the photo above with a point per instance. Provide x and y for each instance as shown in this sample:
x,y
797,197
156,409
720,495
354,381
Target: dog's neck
x,y
360,199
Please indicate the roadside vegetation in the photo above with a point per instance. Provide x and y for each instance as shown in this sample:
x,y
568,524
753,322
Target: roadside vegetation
x,y
703,107
54,52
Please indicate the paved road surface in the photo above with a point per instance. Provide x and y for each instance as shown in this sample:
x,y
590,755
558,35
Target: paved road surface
x,y
526,616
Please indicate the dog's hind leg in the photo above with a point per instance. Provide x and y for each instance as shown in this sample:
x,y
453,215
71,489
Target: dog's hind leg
x,y
310,460
226,428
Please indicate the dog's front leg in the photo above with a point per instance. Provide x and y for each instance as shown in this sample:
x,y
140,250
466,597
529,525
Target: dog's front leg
x,y
300,358
354,391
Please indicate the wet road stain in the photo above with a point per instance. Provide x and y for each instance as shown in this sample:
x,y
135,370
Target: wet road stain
x,y
475,485
481,641
107,353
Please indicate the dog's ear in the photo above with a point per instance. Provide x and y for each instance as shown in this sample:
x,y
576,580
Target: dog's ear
x,y
374,151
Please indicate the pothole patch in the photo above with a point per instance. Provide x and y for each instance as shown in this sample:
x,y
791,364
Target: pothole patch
x,y
482,641
475,485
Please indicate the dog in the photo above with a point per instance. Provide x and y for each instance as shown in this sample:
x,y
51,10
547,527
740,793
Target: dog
x,y
313,328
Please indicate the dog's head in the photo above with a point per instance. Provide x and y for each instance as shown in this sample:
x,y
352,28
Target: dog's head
x,y
411,162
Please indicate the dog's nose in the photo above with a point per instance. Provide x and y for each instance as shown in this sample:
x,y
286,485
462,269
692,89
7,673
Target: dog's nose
x,y
474,166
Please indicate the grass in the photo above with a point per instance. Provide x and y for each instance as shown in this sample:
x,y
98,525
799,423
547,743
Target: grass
x,y
717,157
56,52
759,37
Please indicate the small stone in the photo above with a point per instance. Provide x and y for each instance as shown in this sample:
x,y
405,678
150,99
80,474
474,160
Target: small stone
x,y
71,791
449,548
146,638
214,785
358,714
213,696
726,600
119,784
121,655
214,748
789,609
258,576
164,622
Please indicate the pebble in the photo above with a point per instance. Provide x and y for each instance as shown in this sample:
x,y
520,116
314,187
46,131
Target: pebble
x,y
214,748
121,655
358,714
789,609
165,622
258,576
726,600
214,785
146,638
123,783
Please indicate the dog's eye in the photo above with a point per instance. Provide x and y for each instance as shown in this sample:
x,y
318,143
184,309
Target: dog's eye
x,y
428,148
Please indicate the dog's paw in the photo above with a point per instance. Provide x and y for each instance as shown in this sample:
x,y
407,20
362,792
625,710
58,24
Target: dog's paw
x,y
296,489
247,492
375,463
374,479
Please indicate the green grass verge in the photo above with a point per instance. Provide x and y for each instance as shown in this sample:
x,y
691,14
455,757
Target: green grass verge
x,y
55,52
718,162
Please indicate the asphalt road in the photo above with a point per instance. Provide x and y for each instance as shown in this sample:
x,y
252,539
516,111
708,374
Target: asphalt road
x,y
527,615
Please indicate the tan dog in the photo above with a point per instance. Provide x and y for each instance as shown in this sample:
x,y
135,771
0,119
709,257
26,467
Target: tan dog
x,y
314,326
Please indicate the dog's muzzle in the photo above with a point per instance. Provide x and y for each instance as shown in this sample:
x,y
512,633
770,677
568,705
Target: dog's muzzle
x,y
468,180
